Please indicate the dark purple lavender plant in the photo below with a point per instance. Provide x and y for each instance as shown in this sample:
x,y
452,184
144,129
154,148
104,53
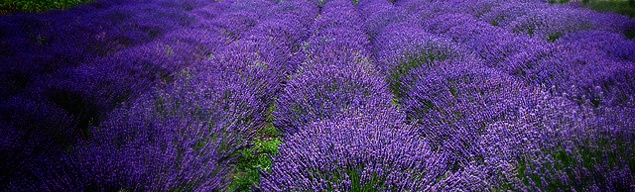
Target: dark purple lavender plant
x,y
370,7
89,86
505,13
12,153
355,152
454,105
476,8
552,23
194,44
535,130
498,175
402,47
519,96
210,11
31,130
258,63
457,26
284,30
338,14
91,90
614,44
283,34
335,76
588,72
496,47
378,14
180,138
321,91
336,45
560,146
305,11
240,17
36,117
420,10
47,108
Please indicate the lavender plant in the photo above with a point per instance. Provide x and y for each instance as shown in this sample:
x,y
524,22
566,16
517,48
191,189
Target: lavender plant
x,y
325,91
456,103
403,47
358,152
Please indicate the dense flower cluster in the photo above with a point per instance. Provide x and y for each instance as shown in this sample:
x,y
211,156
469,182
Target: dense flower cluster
x,y
455,103
209,96
355,152
336,75
354,95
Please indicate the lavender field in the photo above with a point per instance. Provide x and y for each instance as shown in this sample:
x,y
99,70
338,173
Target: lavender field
x,y
317,95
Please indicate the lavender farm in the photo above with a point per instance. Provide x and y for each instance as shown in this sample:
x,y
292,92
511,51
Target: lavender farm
x,y
317,95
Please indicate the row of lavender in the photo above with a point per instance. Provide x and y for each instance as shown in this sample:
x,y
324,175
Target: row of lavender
x,y
544,101
342,133
184,135
58,79
503,95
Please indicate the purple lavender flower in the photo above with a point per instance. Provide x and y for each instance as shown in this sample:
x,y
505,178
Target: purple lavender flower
x,y
615,45
322,91
181,137
498,48
379,14
552,23
588,72
357,152
579,149
402,47
505,13
304,10
338,14
455,103
161,95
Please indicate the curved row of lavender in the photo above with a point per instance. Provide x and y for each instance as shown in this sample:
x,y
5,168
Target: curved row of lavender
x,y
62,72
404,95
184,132
520,95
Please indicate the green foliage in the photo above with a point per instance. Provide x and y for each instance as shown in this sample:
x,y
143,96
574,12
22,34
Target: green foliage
x,y
554,37
257,157
395,102
558,1
252,160
624,7
10,6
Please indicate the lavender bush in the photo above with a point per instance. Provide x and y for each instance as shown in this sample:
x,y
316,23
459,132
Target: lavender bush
x,y
356,153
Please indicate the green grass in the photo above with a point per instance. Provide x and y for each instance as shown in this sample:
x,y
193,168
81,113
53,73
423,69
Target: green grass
x,y
257,157
253,160
12,6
